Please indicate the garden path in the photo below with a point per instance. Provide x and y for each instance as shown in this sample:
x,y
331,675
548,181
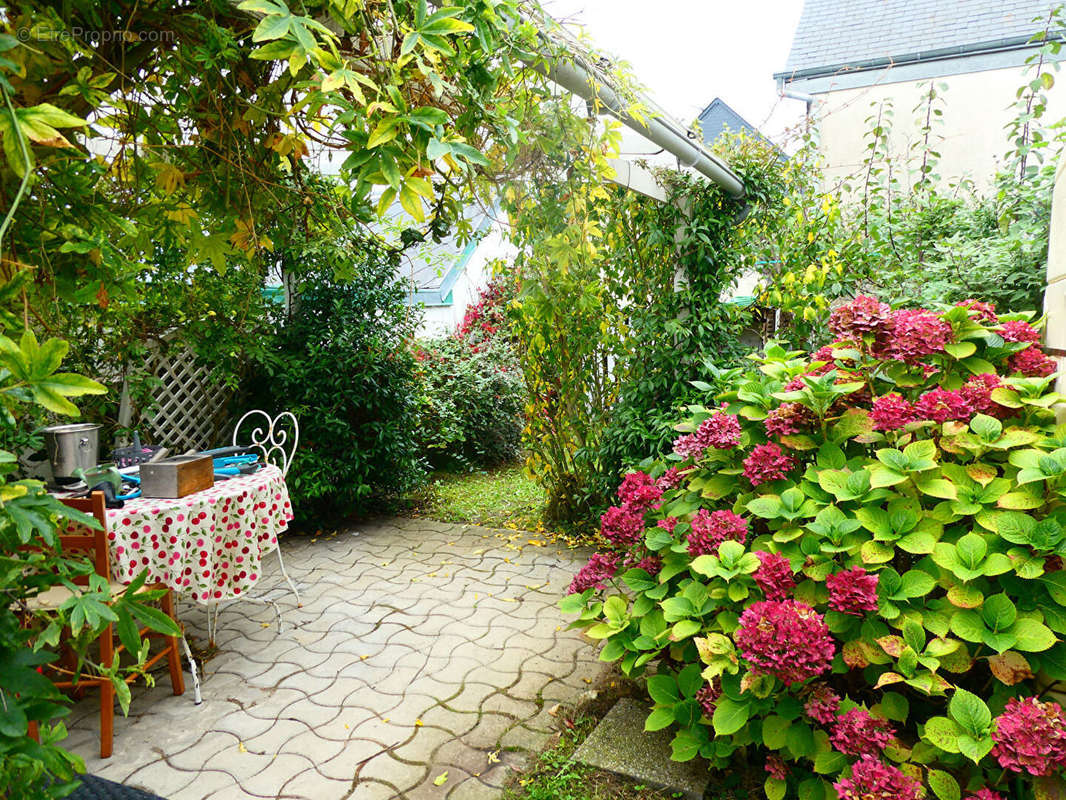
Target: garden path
x,y
422,649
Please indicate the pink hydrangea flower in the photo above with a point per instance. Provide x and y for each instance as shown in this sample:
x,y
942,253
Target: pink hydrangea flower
x,y
985,312
786,639
822,704
862,315
915,334
985,794
599,569
1030,737
622,526
667,524
639,491
941,405
787,419
720,430
824,353
707,696
852,591
670,479
873,779
776,767
1016,330
857,732
650,564
1032,362
891,412
977,392
774,575
766,463
711,529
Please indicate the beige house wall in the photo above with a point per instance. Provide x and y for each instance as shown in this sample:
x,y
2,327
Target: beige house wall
x,y
976,108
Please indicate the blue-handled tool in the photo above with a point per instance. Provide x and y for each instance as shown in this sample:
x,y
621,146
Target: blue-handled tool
x,y
231,466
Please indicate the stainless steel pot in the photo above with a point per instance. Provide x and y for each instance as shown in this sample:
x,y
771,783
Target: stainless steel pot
x,y
71,447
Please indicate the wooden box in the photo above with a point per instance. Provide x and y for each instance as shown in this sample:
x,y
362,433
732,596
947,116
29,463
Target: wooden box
x,y
177,476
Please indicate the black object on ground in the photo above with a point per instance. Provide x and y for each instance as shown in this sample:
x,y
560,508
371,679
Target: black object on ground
x,y
93,788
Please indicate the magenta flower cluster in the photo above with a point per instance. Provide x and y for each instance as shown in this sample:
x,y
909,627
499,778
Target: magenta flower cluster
x,y
767,462
985,312
1030,736
1032,363
1016,330
941,405
707,696
786,639
978,393
774,575
599,569
788,419
873,779
852,591
985,794
891,412
915,334
822,704
710,529
776,767
720,431
622,526
856,732
862,315
670,479
639,491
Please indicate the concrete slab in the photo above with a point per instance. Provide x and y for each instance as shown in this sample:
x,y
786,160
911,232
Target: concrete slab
x,y
620,745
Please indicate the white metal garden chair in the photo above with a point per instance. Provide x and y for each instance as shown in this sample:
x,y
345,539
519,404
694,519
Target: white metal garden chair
x,y
276,439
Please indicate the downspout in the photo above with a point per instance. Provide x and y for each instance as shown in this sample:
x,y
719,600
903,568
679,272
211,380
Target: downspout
x,y
793,94
575,78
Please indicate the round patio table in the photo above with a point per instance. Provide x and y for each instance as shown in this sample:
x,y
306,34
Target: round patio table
x,y
207,545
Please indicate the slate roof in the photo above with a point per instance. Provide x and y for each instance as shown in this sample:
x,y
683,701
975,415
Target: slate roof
x,y
718,116
834,34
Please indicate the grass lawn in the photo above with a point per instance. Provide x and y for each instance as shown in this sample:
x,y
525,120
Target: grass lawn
x,y
499,498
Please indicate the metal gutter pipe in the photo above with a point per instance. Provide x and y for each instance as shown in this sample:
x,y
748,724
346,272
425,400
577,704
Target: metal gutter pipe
x,y
937,54
573,77
793,94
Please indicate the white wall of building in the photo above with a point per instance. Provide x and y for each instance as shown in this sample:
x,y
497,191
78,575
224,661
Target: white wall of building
x,y
976,108
442,320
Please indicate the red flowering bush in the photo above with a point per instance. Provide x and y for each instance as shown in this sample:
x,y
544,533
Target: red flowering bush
x,y
858,565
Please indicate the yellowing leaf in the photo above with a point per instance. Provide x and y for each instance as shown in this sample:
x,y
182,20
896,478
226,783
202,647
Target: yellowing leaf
x,y
384,132
441,779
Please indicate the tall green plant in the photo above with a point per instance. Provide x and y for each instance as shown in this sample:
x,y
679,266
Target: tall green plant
x,y
32,562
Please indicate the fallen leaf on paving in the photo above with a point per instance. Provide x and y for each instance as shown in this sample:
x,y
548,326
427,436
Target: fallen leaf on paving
x,y
494,757
418,723
241,747
554,710
440,779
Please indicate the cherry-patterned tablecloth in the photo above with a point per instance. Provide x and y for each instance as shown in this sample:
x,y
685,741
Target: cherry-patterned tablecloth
x,y
207,545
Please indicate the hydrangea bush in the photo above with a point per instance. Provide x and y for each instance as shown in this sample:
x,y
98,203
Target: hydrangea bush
x,y
850,568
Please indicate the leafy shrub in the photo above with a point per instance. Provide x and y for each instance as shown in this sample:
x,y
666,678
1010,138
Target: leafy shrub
x,y
340,362
471,402
855,565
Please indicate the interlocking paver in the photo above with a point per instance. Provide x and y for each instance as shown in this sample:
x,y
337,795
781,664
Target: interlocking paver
x,y
420,647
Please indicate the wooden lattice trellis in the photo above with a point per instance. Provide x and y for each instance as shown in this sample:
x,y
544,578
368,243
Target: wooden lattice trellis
x,y
188,402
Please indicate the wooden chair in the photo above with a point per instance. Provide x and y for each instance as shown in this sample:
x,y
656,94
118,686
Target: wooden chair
x,y
94,544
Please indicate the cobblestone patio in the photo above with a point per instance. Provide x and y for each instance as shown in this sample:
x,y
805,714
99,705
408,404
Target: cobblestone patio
x,y
422,648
